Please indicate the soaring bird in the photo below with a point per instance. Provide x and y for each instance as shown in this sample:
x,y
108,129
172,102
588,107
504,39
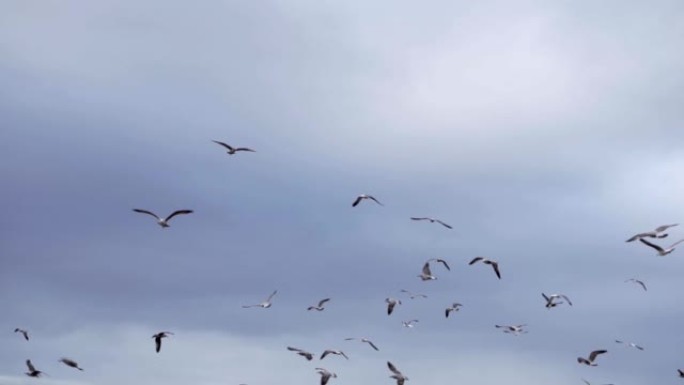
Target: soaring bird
x,y
366,340
32,372
432,220
652,234
550,300
391,303
397,374
662,252
630,344
409,324
335,352
232,150
158,339
364,196
413,295
454,307
426,274
592,357
303,353
23,332
494,264
325,375
319,307
266,304
512,329
71,363
638,282
163,222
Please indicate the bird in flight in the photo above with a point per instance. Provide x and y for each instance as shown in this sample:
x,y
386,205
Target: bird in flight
x,y
652,234
493,264
426,274
232,150
391,303
158,339
512,329
412,295
71,363
661,252
592,357
266,304
397,375
23,332
303,353
319,307
454,307
432,220
550,300
630,344
364,196
32,372
409,324
366,340
163,222
325,375
335,352
638,282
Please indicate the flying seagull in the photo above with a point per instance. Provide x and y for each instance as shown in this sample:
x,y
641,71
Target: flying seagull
x,y
391,303
320,305
409,324
23,332
592,357
364,196
494,264
662,252
158,339
71,363
325,375
335,352
426,274
653,234
366,340
638,282
303,353
630,344
232,150
412,295
432,220
165,221
32,372
266,304
397,374
550,300
454,307
512,329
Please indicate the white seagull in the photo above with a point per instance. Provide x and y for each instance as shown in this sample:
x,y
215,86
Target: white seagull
x,y
397,374
303,353
71,363
364,196
432,220
158,339
638,282
426,274
335,352
454,307
325,375
662,252
23,332
232,150
512,329
163,222
319,307
266,304
630,344
413,295
592,357
494,264
366,340
409,324
652,234
550,300
391,303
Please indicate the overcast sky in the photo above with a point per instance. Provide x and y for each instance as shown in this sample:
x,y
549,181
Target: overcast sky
x,y
546,133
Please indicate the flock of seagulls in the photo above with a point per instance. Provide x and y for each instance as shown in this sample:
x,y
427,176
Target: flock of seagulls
x,y
551,300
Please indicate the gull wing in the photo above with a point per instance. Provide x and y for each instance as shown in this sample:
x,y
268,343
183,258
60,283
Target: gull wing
x,y
372,345
662,228
177,212
426,268
443,262
270,297
566,298
226,145
321,302
244,149
31,368
595,353
475,260
676,243
419,219
356,202
146,212
443,224
495,266
647,243
393,369
375,200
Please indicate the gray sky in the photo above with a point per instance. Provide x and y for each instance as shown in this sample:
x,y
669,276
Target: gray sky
x,y
545,133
